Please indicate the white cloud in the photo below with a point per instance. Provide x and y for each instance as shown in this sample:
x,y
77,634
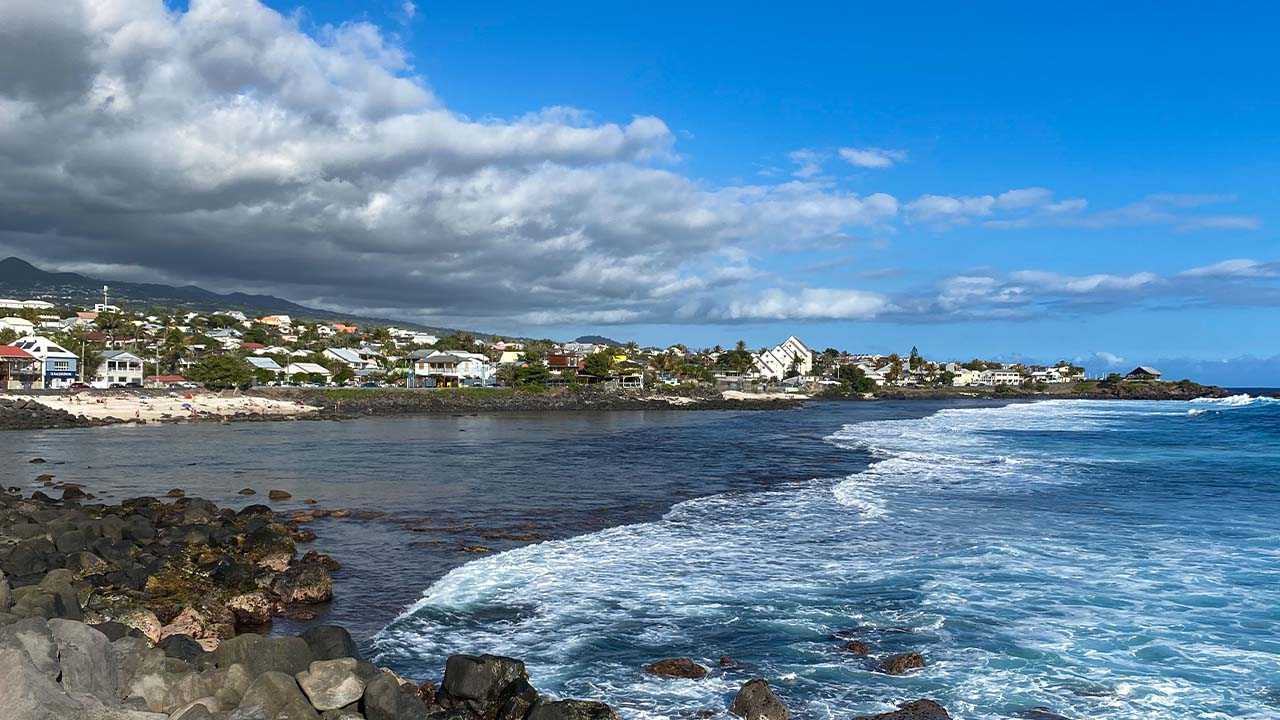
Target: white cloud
x,y
871,157
409,9
1235,268
807,304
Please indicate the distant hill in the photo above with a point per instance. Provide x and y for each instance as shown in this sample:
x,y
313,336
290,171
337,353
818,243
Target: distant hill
x,y
599,340
21,280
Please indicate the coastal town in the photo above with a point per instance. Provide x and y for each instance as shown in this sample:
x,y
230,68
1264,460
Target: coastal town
x,y
47,346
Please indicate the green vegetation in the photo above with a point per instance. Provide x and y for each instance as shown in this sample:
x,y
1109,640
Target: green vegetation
x,y
222,372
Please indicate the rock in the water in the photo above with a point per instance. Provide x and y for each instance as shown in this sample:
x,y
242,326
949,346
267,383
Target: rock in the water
x,y
477,683
304,584
331,684
1040,713
248,491
175,493
676,668
915,710
857,647
572,710
30,694
517,700
85,658
73,492
277,696
279,494
902,663
330,642
756,701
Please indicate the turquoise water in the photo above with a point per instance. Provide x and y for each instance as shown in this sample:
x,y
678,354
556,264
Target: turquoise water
x,y
1100,559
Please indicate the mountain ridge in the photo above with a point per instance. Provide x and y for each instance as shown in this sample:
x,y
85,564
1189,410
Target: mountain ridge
x,y
20,277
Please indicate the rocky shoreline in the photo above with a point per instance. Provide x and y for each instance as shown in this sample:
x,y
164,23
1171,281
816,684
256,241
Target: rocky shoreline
x,y
154,609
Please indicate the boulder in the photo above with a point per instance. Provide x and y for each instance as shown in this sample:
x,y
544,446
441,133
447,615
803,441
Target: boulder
x,y
676,668
902,663
385,700
86,659
330,642
27,693
288,655
331,684
31,636
279,494
303,584
247,491
756,701
195,711
73,492
250,609
517,700
480,678
915,710
277,696
571,710
182,647
114,630
857,647
6,593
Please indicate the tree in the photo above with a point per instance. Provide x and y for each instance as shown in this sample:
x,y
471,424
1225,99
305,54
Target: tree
x,y
914,360
853,379
7,336
222,372
600,363
532,376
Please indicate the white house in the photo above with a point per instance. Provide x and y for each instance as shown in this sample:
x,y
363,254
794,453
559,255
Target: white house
x,y
966,378
350,358
265,364
119,367
778,362
20,326
454,367
1000,377
309,369
58,365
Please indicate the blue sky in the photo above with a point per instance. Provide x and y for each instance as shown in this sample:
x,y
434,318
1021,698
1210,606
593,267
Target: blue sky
x,y
1093,182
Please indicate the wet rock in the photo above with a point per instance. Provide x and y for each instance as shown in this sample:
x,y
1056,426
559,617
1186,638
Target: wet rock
x,y
572,710
279,494
321,559
517,700
114,630
676,668
73,492
303,584
915,710
477,683
756,701
902,663
330,642
250,609
277,696
247,491
857,647
727,662
175,493
37,461
331,684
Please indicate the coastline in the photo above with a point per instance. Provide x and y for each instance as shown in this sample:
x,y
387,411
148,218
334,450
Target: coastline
x,y
49,410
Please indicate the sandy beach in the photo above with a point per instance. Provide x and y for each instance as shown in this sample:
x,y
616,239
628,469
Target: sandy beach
x,y
173,407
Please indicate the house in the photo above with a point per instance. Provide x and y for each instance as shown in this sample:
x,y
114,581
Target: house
x,y
350,358
510,357
265,364
999,377
559,362
119,367
20,326
276,321
19,369
966,378
59,366
1143,373
344,328
454,367
167,381
788,358
7,304
310,371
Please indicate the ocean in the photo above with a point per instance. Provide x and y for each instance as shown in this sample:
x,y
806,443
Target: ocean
x,y
1097,559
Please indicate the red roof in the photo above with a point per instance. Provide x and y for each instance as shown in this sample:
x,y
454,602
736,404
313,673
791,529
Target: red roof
x,y
252,346
14,352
